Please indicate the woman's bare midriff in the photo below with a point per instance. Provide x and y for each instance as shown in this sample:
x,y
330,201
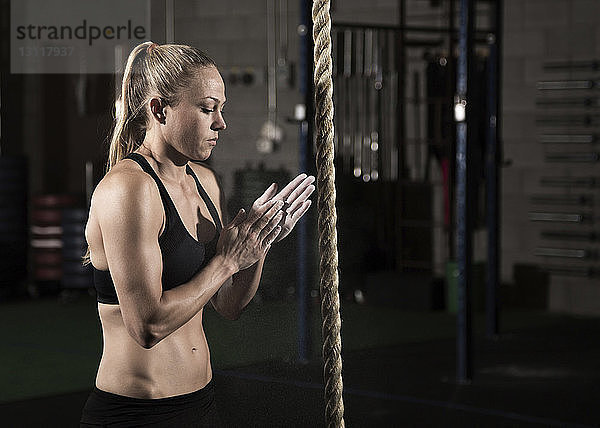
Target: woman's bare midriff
x,y
178,364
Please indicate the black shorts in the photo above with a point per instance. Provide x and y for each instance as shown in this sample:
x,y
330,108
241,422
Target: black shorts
x,y
196,409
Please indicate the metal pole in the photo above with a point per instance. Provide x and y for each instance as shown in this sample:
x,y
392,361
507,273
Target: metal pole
x,y
400,113
305,144
451,245
399,131
169,21
271,63
492,195
463,238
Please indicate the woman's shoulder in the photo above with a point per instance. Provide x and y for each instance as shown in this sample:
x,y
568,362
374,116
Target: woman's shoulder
x,y
125,185
124,177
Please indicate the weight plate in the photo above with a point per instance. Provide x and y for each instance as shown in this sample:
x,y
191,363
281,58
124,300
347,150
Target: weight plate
x,y
46,217
47,273
45,251
53,201
46,231
47,258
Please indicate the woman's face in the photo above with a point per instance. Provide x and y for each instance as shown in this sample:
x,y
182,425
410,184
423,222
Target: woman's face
x,y
192,126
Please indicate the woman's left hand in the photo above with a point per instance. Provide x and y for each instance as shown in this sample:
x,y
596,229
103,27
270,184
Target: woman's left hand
x,y
295,197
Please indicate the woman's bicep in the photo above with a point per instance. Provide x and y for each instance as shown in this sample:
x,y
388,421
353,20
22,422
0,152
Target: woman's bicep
x,y
130,221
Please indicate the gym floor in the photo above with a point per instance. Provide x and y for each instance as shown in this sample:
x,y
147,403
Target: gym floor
x,y
399,367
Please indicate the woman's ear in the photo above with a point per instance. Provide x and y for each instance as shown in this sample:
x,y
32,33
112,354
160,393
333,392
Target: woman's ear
x,y
157,108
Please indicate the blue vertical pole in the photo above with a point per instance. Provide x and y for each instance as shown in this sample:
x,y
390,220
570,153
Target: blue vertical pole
x,y
464,361
304,140
492,194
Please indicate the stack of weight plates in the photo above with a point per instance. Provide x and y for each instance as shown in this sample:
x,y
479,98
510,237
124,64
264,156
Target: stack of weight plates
x,y
13,222
46,242
75,274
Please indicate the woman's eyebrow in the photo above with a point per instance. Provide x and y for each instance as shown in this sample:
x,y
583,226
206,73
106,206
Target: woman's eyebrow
x,y
214,99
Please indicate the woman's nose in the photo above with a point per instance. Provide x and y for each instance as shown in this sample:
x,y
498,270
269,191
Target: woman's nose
x,y
219,124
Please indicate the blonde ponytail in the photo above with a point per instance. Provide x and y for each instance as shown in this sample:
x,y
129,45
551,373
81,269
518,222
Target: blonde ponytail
x,y
123,140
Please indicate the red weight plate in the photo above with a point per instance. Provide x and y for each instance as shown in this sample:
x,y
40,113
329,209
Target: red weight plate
x,y
47,217
53,201
47,273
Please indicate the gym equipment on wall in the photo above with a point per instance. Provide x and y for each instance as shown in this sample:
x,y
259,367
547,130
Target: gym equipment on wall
x,y
568,127
366,82
46,243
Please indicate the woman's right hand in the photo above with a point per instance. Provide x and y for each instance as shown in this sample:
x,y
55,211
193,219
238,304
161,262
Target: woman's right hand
x,y
249,236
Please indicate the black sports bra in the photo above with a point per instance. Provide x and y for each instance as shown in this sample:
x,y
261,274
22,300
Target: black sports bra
x,y
182,255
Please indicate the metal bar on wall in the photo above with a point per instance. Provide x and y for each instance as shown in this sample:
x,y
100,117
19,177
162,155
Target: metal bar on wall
x,y
568,138
561,85
571,271
571,182
562,235
572,66
413,28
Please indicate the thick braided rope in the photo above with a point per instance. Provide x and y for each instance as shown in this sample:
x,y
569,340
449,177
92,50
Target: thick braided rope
x,y
330,302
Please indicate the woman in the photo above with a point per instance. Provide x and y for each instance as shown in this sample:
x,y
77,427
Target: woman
x,y
158,248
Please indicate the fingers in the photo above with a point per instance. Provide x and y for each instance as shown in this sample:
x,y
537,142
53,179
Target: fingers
x,y
292,219
297,199
268,194
271,237
262,204
238,219
301,181
269,228
301,211
263,221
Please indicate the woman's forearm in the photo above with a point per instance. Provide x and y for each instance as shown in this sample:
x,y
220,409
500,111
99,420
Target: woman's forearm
x,y
178,305
234,295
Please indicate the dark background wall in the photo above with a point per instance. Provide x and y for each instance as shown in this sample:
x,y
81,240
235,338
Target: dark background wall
x,y
43,118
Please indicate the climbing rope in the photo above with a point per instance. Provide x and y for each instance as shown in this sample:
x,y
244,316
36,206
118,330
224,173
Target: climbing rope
x,y
330,301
